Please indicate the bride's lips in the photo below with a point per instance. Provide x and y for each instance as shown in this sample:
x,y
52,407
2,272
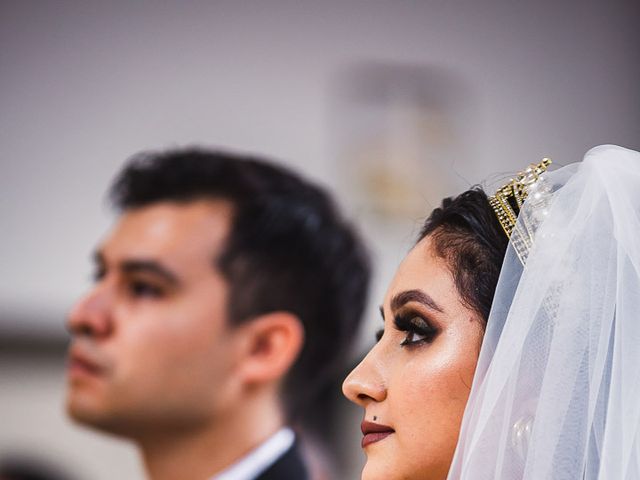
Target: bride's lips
x,y
374,432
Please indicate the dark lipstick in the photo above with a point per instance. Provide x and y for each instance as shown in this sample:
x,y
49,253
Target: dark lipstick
x,y
374,432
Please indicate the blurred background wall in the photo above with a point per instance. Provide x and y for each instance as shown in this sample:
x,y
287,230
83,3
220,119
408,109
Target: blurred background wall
x,y
390,104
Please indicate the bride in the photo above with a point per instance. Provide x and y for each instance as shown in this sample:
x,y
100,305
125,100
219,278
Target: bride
x,y
510,346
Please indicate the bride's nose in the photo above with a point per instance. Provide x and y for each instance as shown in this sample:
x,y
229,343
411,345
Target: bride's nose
x,y
365,384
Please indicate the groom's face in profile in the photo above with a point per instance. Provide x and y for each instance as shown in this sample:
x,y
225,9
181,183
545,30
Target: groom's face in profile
x,y
151,345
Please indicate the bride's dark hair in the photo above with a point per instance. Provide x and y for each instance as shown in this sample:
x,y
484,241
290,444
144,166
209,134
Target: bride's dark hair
x,y
467,235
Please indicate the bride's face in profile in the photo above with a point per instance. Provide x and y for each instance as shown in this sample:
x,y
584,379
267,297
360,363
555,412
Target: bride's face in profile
x,y
415,382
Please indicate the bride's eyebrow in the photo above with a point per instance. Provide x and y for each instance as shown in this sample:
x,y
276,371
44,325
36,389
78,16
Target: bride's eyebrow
x,y
402,298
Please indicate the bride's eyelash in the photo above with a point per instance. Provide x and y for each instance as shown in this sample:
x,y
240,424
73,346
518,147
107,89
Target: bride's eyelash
x,y
415,326
419,330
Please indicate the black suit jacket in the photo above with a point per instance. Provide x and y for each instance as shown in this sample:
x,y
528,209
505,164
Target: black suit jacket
x,y
290,466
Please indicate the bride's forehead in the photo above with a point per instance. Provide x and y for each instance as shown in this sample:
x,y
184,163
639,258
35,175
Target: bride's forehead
x,y
422,269
422,261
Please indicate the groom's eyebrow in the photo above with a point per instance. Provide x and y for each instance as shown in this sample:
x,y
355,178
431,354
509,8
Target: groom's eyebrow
x,y
402,298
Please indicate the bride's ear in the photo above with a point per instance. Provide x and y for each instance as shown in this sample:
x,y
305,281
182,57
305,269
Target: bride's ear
x,y
272,344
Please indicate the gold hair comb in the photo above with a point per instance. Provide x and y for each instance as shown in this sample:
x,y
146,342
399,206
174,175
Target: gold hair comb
x,y
508,200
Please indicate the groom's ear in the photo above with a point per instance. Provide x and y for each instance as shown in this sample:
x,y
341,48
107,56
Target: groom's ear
x,y
271,345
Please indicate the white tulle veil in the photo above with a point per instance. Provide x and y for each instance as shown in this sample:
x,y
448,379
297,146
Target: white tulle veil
x,y
556,394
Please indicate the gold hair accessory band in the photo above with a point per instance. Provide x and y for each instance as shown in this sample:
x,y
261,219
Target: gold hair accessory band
x,y
508,200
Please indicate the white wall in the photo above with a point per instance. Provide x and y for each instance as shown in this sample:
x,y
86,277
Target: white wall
x,y
83,85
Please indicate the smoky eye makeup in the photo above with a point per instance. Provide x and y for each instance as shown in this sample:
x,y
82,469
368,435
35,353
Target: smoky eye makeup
x,y
379,334
418,329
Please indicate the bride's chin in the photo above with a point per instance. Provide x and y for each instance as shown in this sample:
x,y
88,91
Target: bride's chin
x,y
375,471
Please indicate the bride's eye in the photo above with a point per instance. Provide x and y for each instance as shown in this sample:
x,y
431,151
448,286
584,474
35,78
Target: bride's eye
x,y
413,338
418,330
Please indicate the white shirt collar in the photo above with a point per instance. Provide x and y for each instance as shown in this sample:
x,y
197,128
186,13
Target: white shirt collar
x,y
260,458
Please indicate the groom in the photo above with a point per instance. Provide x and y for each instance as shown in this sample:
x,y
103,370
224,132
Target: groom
x,y
225,297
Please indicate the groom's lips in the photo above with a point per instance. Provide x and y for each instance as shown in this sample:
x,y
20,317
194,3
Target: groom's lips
x,y
82,364
374,432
